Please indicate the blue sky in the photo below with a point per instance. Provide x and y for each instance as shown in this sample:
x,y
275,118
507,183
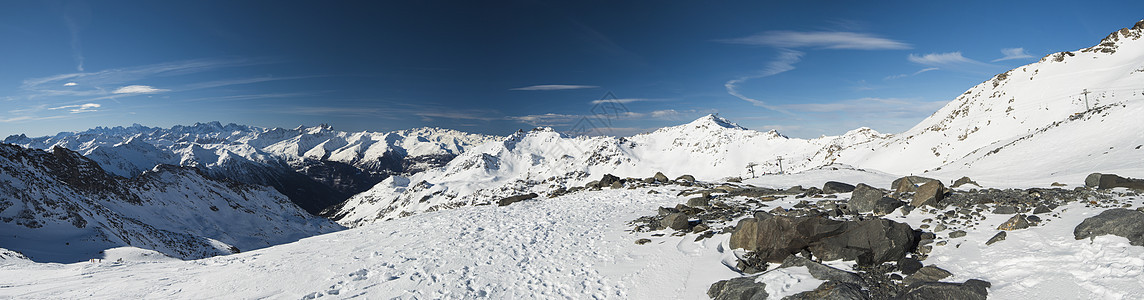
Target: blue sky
x,y
805,68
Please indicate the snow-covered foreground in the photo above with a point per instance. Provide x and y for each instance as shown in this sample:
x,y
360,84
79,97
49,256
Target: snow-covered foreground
x,y
575,246
568,247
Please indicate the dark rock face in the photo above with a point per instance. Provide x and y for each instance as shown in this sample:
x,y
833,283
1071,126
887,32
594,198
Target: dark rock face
x,y
864,198
1107,181
909,266
697,202
927,274
972,289
867,242
834,187
686,179
515,199
741,288
1118,221
832,290
820,271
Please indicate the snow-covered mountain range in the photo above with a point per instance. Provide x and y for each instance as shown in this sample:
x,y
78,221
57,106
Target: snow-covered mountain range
x,y
314,166
58,206
1030,121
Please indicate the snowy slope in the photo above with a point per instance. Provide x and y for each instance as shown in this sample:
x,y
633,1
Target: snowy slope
x,y
573,246
1022,102
61,207
543,160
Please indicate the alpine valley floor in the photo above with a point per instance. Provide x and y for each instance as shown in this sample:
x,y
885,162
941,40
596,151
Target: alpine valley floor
x,y
578,246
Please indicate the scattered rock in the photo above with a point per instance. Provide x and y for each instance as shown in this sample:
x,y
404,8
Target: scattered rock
x,y
957,234
642,241
1017,222
740,288
776,238
972,289
686,179
927,274
820,271
617,184
834,187
887,205
1107,181
1042,209
517,198
700,228
963,181
698,202
1005,210
1000,236
929,194
1058,184
1117,221
909,184
909,266
677,221
659,177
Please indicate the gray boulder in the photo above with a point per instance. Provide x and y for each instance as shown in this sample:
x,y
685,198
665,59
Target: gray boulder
x,y
864,198
834,187
1117,221
777,237
1017,222
963,181
927,274
607,180
1107,181
909,184
677,221
741,288
1000,236
887,205
972,289
929,194
515,199
698,202
686,178
659,177
869,242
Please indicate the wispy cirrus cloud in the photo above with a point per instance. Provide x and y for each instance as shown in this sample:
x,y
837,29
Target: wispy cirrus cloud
x,y
102,82
553,87
547,119
786,41
784,62
892,77
820,39
1013,53
138,89
947,60
623,101
80,108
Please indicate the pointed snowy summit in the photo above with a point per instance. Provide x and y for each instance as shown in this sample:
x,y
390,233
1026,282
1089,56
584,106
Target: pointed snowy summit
x,y
713,121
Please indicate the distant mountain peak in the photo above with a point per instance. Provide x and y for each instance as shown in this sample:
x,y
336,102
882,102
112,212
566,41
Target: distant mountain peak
x,y
713,121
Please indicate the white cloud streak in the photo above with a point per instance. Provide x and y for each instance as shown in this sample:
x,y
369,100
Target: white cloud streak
x,y
1013,53
80,108
820,39
553,87
892,77
138,89
944,60
621,101
784,62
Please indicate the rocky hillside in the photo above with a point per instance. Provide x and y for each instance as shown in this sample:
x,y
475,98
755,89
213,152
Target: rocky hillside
x,y
314,166
58,206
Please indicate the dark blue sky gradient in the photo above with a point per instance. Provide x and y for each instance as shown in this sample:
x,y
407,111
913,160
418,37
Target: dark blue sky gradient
x,y
372,65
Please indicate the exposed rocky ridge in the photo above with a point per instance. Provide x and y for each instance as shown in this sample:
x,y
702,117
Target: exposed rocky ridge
x,y
59,206
314,166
